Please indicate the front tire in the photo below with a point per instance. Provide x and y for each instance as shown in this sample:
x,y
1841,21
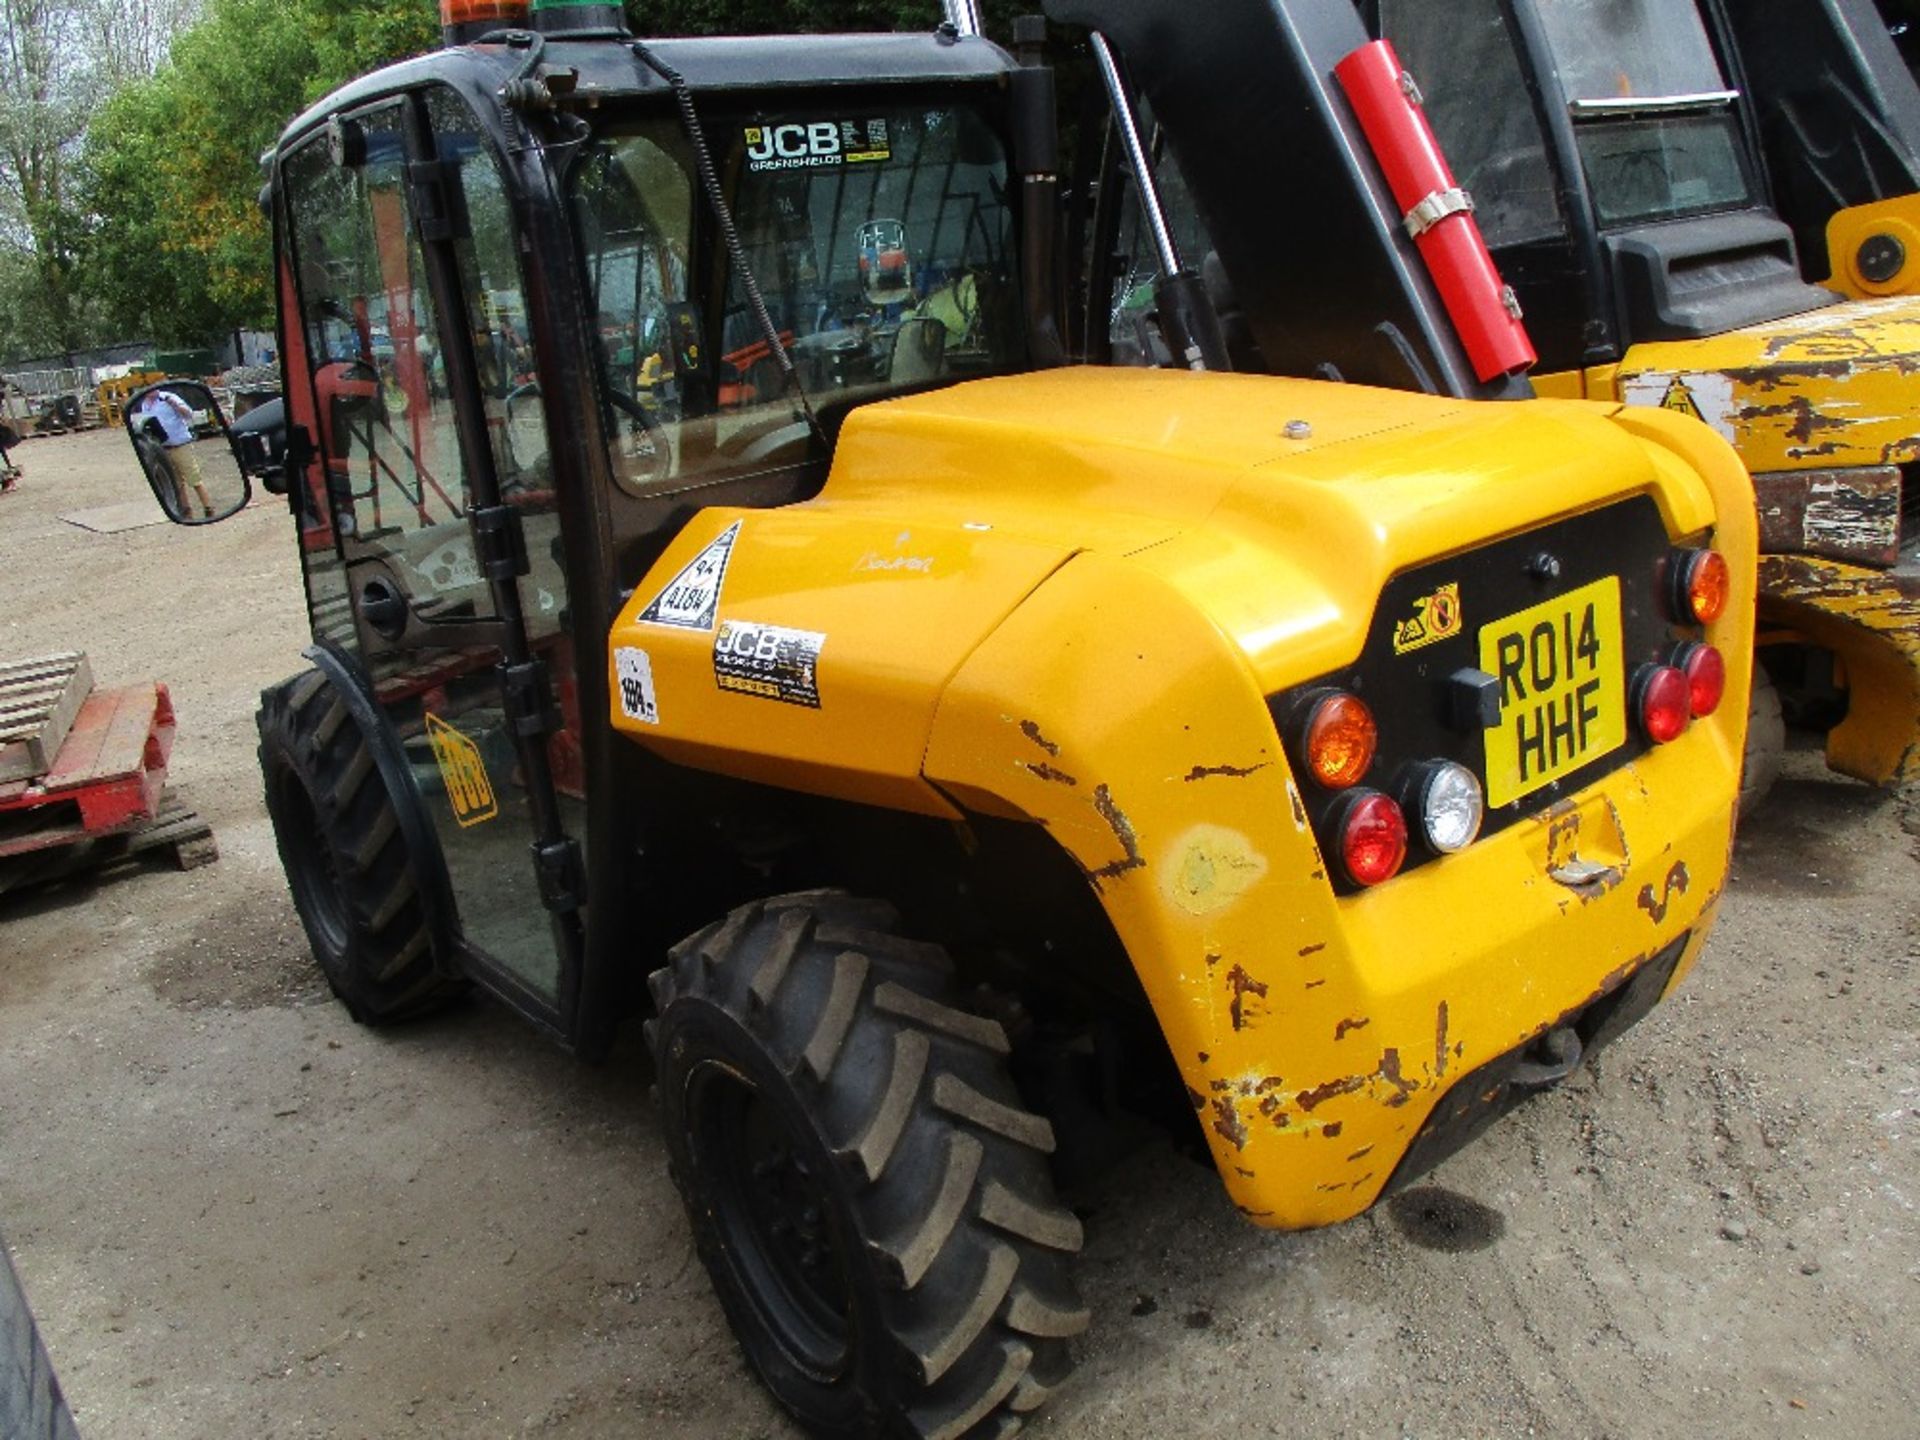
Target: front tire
x,y
866,1190
354,883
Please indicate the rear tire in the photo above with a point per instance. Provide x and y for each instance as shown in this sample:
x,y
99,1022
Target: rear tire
x,y
870,1197
1766,742
354,884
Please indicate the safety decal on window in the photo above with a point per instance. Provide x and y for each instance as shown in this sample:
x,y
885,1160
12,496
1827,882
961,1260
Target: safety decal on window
x,y
692,598
633,670
464,773
769,661
1435,617
817,145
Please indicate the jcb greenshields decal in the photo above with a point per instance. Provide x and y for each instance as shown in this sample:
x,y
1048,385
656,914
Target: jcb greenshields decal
x,y
1435,617
817,145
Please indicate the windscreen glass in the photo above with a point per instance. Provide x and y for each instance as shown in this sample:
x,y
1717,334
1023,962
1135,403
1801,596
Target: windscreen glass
x,y
882,242
1630,49
1642,165
1463,58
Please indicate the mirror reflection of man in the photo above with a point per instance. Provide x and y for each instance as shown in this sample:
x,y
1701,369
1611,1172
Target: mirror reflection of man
x,y
165,412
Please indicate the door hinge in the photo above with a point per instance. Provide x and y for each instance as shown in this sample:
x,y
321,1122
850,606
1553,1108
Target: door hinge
x,y
563,879
438,201
499,542
527,695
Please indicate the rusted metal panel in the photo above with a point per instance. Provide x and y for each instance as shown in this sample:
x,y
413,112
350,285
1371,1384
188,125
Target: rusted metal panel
x,y
1851,514
1870,619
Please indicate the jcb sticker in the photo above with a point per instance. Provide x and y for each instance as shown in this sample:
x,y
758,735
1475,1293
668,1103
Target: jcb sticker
x,y
633,672
769,661
1435,617
692,598
817,145
463,772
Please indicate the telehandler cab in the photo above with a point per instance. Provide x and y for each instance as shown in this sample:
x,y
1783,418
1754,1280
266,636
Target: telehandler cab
x,y
1654,177
695,542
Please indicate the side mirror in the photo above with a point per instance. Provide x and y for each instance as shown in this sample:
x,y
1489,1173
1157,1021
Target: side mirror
x,y
190,458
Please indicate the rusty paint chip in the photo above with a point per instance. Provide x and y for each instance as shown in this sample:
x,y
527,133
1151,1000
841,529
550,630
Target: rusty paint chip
x,y
1440,1042
1048,773
1230,772
1677,881
1227,1123
1123,831
1341,1030
1032,731
1333,1128
1314,949
1320,1094
1198,1100
1242,984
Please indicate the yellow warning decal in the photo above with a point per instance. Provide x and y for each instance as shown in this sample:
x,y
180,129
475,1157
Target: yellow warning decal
x,y
1435,617
464,773
1680,398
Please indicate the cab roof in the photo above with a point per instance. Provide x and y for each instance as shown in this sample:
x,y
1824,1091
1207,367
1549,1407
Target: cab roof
x,y
609,70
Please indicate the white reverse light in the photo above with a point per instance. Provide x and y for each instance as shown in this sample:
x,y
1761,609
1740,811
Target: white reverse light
x,y
1452,807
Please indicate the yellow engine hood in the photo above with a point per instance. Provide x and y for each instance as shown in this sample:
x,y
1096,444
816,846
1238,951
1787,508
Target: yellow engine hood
x,y
1831,388
1275,510
1279,507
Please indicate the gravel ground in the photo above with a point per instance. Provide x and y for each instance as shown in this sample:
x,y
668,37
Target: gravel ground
x,y
238,1214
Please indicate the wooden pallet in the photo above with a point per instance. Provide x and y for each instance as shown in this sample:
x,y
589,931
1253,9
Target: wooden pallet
x,y
39,701
176,833
107,777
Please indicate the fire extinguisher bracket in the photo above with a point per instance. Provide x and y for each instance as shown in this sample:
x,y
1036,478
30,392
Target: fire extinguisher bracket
x,y
1436,211
1437,205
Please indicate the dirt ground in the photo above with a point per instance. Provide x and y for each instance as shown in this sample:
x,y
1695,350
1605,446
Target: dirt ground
x,y
240,1215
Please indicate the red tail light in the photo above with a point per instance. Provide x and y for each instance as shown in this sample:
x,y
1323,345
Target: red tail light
x,y
1706,672
1373,838
1662,702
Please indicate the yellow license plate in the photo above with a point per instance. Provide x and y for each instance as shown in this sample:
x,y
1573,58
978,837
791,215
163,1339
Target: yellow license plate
x,y
1563,700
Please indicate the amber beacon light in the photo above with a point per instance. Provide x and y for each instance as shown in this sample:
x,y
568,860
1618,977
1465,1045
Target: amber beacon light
x,y
464,21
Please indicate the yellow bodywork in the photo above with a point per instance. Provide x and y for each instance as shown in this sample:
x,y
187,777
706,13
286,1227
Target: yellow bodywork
x,y
1832,390
1064,598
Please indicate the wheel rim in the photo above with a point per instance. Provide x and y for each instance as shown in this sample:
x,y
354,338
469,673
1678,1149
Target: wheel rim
x,y
775,1218
311,869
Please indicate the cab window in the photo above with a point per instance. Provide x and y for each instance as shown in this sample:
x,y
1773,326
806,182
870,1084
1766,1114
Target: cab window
x,y
1644,166
882,244
1476,99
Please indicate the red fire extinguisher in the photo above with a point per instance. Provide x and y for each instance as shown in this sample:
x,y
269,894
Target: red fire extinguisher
x,y
1438,213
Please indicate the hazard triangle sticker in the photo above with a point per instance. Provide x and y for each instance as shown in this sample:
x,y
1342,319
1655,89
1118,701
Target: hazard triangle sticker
x,y
691,600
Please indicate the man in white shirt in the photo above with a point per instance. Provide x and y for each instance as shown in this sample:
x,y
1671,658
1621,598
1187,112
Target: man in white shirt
x,y
174,418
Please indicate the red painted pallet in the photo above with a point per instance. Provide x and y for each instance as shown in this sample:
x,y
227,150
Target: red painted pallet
x,y
107,778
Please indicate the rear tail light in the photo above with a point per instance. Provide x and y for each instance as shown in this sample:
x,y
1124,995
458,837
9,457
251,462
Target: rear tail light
x,y
1706,672
1340,741
1662,702
1447,801
1373,837
1700,584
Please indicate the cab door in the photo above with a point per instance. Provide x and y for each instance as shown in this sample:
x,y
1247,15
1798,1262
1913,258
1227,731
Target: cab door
x,y
447,586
